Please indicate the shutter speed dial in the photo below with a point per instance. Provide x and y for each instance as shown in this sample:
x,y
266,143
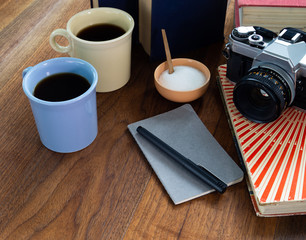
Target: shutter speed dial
x,y
243,33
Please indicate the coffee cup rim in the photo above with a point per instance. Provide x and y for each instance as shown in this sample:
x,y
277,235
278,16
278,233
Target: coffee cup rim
x,y
31,96
123,36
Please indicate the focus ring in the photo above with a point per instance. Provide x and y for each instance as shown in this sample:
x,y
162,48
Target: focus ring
x,y
273,81
261,95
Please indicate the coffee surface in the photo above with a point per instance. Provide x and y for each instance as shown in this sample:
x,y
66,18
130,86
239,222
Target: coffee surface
x,y
61,87
100,32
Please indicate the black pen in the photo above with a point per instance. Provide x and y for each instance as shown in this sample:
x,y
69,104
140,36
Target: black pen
x,y
197,170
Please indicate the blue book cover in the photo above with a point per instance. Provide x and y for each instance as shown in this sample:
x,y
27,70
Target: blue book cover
x,y
189,25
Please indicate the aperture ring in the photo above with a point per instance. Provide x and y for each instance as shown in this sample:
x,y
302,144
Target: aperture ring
x,y
274,82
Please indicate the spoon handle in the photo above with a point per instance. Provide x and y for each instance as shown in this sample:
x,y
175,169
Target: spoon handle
x,y
167,50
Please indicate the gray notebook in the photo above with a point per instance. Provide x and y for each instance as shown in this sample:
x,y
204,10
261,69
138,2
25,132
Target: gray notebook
x,y
182,130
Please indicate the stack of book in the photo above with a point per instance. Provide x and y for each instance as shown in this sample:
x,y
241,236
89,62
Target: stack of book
x,y
273,155
271,14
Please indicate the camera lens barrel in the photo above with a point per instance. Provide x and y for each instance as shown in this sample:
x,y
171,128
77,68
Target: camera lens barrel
x,y
262,95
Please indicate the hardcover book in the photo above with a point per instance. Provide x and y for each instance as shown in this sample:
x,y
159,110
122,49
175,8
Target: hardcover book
x,y
273,155
183,130
189,25
271,14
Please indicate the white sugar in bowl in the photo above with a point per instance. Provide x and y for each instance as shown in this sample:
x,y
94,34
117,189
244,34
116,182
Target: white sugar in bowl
x,y
188,82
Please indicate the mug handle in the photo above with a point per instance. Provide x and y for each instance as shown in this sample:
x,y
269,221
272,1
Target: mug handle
x,y
55,45
25,71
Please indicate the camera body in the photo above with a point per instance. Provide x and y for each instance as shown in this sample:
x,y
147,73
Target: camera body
x,y
269,71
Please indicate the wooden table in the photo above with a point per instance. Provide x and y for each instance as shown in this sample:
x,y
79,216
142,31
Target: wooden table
x,y
108,190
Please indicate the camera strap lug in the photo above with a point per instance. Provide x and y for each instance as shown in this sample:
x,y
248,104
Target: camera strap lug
x,y
226,51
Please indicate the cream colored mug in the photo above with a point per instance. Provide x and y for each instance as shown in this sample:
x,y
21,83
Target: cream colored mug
x,y
111,58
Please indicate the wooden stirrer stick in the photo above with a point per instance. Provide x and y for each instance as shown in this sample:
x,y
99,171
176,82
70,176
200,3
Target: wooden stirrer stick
x,y
167,50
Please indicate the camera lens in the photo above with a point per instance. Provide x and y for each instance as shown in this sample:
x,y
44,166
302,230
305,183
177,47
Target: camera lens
x,y
262,95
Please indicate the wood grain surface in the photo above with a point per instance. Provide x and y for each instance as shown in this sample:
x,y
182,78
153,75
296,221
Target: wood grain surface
x,y
108,190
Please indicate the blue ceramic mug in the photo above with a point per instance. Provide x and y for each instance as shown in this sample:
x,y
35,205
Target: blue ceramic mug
x,y
64,126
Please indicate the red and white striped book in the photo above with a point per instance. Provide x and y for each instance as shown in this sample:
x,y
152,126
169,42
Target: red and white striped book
x,y
274,156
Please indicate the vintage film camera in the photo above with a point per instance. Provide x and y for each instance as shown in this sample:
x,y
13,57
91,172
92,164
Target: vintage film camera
x,y
269,71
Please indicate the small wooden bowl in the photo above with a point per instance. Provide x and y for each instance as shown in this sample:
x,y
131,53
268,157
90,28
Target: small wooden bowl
x,y
181,96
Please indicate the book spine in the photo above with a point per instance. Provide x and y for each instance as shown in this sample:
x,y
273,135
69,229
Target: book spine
x,y
94,3
145,12
242,164
237,14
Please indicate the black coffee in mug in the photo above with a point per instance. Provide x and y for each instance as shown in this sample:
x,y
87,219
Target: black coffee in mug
x,y
100,32
61,87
